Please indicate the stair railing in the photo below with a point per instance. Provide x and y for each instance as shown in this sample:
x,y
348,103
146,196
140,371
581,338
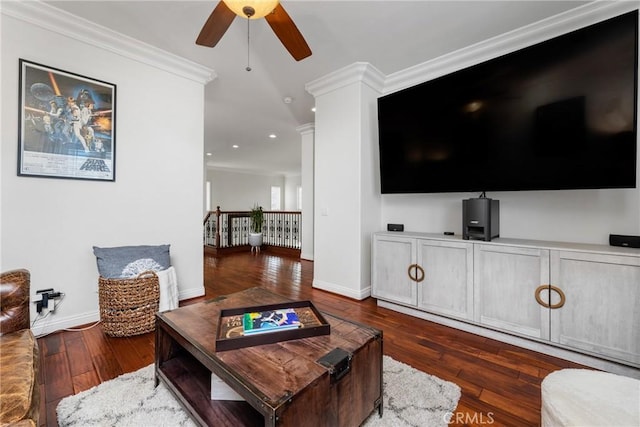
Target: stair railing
x,y
227,229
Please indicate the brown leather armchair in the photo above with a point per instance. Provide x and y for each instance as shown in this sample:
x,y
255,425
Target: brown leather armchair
x,y
19,390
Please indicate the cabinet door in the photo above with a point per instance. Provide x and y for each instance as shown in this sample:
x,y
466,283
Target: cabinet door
x,y
601,313
447,287
505,283
392,257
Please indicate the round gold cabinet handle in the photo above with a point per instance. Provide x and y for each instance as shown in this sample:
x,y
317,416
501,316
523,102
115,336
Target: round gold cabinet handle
x,y
543,303
409,271
415,277
537,294
563,298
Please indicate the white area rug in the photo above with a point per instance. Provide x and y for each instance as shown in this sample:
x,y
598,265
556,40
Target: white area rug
x,y
411,398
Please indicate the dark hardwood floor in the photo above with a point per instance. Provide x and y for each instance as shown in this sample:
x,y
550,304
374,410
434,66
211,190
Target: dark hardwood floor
x,y
500,382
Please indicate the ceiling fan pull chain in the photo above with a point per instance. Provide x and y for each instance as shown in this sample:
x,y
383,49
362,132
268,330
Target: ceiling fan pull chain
x,y
248,46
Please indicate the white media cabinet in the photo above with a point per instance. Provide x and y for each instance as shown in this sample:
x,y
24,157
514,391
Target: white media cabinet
x,y
576,301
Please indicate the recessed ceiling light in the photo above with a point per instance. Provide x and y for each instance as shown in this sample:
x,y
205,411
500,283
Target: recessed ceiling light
x,y
273,136
235,146
209,154
313,109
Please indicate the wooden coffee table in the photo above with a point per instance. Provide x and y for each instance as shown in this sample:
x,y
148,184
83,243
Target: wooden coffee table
x,y
282,383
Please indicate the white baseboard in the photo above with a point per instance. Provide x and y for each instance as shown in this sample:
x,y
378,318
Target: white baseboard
x,y
53,322
341,290
191,293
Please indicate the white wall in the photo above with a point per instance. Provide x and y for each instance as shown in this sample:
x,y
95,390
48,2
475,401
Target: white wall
x,y
50,225
240,191
290,192
583,216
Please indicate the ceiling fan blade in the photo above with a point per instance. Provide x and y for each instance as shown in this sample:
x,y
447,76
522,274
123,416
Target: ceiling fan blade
x,y
282,24
215,27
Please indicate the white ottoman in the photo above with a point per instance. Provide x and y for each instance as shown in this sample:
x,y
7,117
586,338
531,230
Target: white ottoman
x,y
581,397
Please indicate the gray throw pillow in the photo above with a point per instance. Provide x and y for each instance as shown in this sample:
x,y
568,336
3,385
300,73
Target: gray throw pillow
x,y
130,261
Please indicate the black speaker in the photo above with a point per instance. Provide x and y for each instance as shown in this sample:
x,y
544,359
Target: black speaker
x,y
624,241
480,219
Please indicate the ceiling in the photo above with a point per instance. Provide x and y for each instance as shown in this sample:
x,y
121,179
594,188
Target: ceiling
x,y
244,107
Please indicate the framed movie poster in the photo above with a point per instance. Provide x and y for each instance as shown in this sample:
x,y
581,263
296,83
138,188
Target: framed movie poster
x,y
67,125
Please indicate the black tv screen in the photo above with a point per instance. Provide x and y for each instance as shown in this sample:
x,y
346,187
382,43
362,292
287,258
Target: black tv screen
x,y
557,115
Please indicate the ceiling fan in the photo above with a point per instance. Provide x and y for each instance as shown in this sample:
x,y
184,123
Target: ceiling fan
x,y
277,18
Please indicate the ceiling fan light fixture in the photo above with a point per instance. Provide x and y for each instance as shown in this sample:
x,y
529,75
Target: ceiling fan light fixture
x,y
260,8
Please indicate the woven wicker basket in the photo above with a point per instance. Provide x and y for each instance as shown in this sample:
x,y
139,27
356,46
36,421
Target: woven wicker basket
x,y
129,306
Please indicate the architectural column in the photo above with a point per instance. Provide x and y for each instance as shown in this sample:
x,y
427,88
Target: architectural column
x,y
347,200
307,141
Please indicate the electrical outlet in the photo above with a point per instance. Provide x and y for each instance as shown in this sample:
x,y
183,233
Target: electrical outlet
x,y
47,299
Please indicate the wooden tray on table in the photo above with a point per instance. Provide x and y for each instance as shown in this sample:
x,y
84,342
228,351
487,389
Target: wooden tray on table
x,y
230,331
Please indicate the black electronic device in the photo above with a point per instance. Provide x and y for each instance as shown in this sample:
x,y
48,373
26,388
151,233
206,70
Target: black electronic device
x,y
480,219
540,118
395,227
624,241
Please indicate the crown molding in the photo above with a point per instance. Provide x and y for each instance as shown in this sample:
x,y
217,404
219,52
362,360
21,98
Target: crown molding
x,y
306,128
359,72
474,54
80,29
512,41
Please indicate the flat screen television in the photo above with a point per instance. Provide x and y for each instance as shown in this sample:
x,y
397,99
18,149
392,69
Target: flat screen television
x,y
560,114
